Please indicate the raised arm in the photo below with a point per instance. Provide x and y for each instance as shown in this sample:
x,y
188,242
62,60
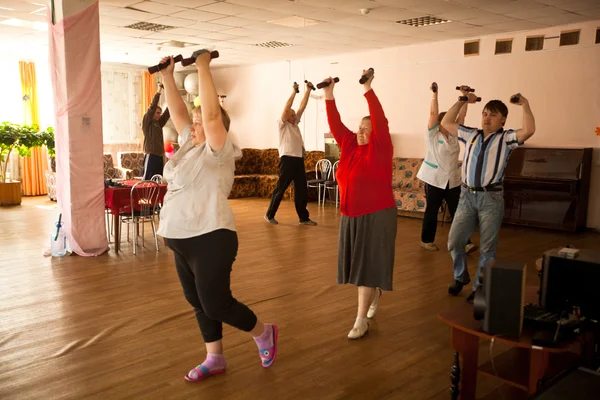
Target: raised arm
x,y
381,130
288,104
304,101
434,110
149,116
449,120
214,129
339,131
528,128
462,114
177,109
164,118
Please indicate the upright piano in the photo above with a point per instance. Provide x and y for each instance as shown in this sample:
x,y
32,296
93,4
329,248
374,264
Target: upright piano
x,y
548,187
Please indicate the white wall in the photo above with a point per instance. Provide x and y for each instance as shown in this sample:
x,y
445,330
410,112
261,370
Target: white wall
x,y
562,84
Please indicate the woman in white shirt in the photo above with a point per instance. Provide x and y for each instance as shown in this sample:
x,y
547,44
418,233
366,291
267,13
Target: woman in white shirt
x,y
440,171
198,223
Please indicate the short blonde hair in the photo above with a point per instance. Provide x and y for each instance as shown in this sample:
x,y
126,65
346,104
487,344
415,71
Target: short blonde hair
x,y
224,116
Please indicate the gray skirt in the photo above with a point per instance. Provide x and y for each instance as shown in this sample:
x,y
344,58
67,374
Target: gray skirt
x,y
366,249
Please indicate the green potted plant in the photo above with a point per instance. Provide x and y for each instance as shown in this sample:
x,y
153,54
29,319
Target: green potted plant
x,y
19,138
48,139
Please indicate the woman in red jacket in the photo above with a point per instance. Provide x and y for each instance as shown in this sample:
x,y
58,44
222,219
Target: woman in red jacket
x,y
368,224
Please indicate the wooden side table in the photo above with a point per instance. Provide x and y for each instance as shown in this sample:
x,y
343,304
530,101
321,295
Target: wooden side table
x,y
524,369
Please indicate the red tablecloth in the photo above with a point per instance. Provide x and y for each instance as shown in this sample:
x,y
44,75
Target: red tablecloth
x,y
117,198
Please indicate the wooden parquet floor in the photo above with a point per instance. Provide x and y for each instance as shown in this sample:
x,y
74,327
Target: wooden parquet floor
x,y
118,327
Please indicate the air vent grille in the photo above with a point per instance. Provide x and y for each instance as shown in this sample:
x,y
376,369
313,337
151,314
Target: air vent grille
x,y
149,26
503,46
472,48
272,44
569,38
423,21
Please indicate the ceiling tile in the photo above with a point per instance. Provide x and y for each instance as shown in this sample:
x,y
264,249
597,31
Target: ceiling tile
x,y
394,14
131,14
115,21
546,11
225,35
207,27
435,7
226,8
197,15
258,3
466,14
119,3
182,31
233,21
127,32
262,15
517,25
503,7
567,18
185,3
492,19
156,8
172,21
594,13
572,5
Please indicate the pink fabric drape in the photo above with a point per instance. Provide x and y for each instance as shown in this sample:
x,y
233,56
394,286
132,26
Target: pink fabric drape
x,y
74,52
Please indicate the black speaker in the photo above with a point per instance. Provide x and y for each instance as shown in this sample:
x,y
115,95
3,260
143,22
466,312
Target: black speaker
x,y
500,298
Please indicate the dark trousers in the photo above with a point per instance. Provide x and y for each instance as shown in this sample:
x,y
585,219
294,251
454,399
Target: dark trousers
x,y
153,165
435,196
291,169
204,267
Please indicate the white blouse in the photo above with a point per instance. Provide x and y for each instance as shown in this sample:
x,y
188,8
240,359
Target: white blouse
x,y
199,182
440,167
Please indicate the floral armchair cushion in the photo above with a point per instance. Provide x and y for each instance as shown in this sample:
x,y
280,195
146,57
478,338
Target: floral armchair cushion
x,y
405,174
112,172
133,161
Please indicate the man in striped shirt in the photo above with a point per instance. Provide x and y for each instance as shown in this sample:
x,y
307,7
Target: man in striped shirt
x,y
481,202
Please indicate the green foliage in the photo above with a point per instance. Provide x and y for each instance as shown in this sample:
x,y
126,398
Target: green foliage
x,y
22,138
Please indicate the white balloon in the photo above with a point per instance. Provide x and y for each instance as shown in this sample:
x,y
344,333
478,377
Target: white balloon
x,y
191,84
170,135
179,77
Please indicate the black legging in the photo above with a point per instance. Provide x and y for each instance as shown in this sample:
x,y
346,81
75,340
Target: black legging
x,y
204,267
435,196
291,169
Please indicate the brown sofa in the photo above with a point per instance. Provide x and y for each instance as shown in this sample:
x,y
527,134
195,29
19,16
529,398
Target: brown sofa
x,y
409,191
256,173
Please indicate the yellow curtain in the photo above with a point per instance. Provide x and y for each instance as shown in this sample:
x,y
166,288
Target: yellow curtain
x,y
148,92
34,166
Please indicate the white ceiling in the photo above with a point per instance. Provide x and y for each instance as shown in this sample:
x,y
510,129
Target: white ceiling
x,y
234,27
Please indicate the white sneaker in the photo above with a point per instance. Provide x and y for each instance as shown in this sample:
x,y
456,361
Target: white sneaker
x,y
374,304
429,246
359,330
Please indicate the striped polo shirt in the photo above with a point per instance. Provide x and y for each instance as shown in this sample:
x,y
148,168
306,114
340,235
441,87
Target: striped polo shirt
x,y
484,161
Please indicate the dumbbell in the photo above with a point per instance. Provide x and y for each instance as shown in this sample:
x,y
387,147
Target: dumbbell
x,y
515,98
158,67
325,84
434,87
311,85
465,98
366,76
189,61
296,87
470,89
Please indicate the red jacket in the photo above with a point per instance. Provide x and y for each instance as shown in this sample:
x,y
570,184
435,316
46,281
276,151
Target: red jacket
x,y
364,174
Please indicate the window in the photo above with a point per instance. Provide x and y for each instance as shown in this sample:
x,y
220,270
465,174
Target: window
x,y
569,38
597,35
472,48
121,105
534,43
503,46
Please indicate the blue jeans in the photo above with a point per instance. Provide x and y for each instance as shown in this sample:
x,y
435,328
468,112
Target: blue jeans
x,y
485,209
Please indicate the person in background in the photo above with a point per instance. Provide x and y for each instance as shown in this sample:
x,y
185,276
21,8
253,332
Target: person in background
x,y
487,151
152,127
440,171
291,160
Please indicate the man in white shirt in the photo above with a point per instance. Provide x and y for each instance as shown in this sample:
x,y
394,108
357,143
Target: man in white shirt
x,y
440,171
291,160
